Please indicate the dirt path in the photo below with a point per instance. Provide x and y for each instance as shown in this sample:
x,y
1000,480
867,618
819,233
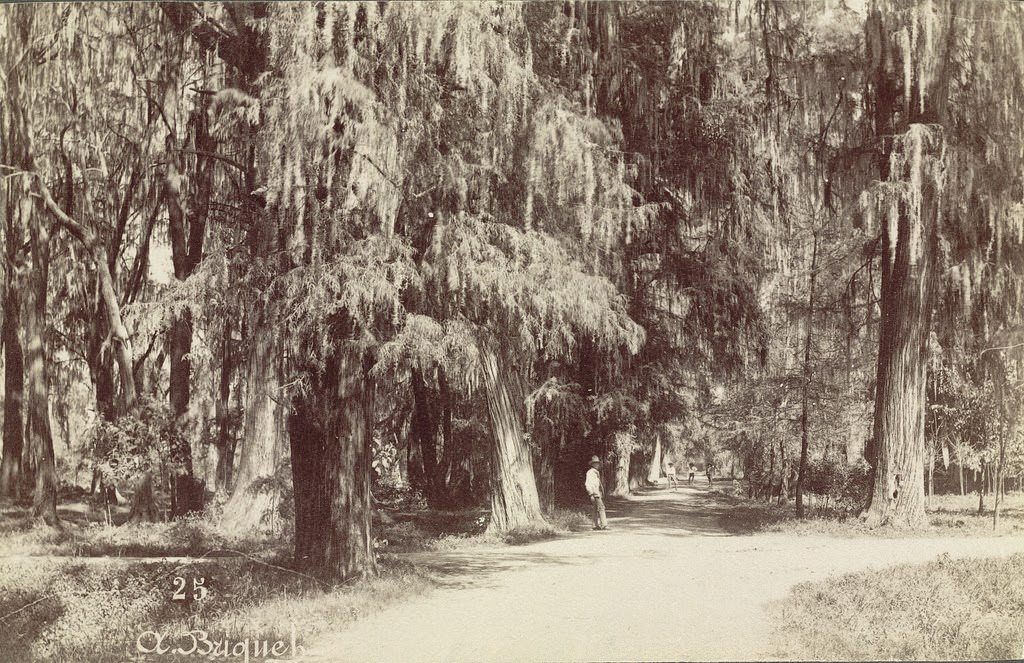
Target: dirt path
x,y
669,581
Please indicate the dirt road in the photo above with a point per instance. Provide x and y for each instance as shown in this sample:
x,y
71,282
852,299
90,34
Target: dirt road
x,y
671,580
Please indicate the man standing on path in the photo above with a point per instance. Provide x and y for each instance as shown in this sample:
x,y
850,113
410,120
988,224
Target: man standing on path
x,y
670,474
595,489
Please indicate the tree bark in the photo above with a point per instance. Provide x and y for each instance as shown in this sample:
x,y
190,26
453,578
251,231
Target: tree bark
x,y
331,430
225,434
654,472
549,452
38,433
187,492
14,191
186,230
897,496
257,492
783,473
981,491
898,492
144,507
426,429
11,478
120,342
623,460
514,499
639,469
101,372
931,475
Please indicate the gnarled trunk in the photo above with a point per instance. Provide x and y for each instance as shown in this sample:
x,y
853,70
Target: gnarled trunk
x,y
514,499
257,492
331,429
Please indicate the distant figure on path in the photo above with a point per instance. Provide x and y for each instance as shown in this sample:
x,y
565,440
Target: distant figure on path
x,y
709,469
670,473
693,473
595,488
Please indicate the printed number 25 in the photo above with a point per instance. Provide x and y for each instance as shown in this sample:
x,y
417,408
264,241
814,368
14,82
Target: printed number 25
x,y
198,590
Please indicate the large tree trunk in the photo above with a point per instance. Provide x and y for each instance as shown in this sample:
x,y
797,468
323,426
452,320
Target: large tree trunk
x,y
186,491
623,459
331,429
39,436
654,471
11,478
640,467
514,499
426,430
187,218
257,492
549,452
897,497
101,370
16,208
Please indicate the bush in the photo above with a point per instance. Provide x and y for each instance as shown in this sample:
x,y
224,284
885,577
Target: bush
x,y
845,486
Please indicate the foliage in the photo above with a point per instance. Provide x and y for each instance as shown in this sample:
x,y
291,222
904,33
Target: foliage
x,y
148,439
845,485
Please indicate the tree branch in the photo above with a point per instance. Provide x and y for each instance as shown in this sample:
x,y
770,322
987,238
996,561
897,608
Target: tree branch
x,y
111,307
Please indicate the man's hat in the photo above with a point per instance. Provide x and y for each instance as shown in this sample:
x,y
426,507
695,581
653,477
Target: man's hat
x,y
595,459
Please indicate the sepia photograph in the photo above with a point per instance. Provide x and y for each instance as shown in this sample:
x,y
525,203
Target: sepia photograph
x,y
461,331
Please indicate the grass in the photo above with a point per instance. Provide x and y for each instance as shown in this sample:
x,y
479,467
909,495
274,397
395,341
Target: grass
x,y
93,611
192,536
949,515
450,531
70,594
947,610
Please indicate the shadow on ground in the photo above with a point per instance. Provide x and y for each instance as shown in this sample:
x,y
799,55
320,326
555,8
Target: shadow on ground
x,y
474,568
691,511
